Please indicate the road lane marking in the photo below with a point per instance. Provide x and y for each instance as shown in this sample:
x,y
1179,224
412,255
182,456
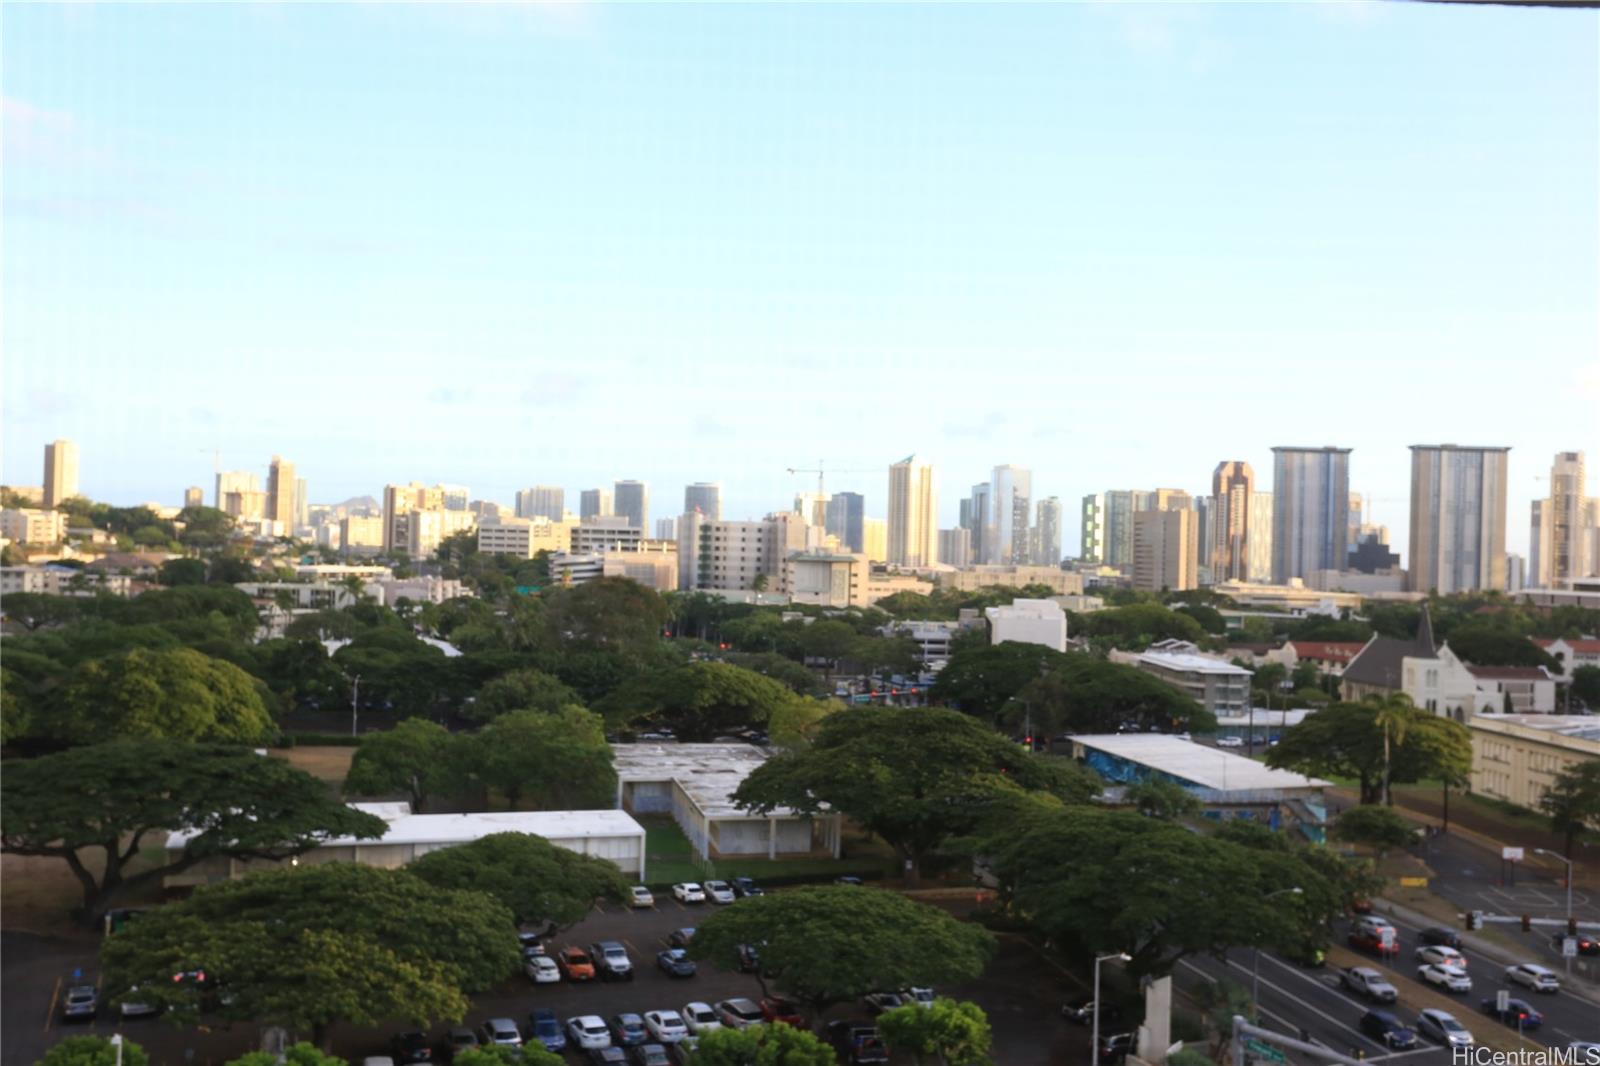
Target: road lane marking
x,y
1340,1024
50,1014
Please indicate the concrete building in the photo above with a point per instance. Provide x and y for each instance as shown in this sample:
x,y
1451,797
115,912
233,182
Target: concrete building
x,y
194,496
632,501
1558,543
955,547
1260,565
974,512
1458,518
359,534
654,565
426,530
705,497
26,525
1046,544
1517,757
1310,510
542,501
736,556
913,514
60,472
280,492
846,518
421,590
826,580
1005,540
875,539
1329,657
307,596
609,835
1060,582
1232,491
1512,689
1573,653
1166,550
594,503
1516,572
1215,684
666,529
524,537
576,568
695,784
238,493
1028,622
608,533
1357,581
933,638
1092,529
52,580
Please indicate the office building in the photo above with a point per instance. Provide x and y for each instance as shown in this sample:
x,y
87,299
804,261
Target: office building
x,y
1058,581
1046,536
1232,491
194,496
280,492
302,504
812,508
632,501
667,529
1516,572
1092,529
1166,550
689,547
734,556
523,537
361,534
27,525
1120,507
595,536
1215,684
875,539
705,497
1260,565
1310,511
426,530
237,481
594,503
60,472
975,517
826,579
454,497
1028,622
955,547
1517,757
653,565
846,515
542,501
1458,519
1559,535
913,514
1011,489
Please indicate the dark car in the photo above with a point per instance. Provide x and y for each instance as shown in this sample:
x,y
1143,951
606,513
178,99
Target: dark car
x,y
651,1055
857,1042
749,958
607,1056
1116,1048
1386,1029
545,1027
744,886
680,938
847,879
80,1004
628,1029
1438,934
456,1041
1519,1013
675,962
1587,944
410,1047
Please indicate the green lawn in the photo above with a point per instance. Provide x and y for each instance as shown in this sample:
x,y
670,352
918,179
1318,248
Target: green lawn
x,y
669,859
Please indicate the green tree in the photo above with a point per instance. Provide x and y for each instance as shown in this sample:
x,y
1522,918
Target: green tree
x,y
827,944
414,757
829,641
1585,686
35,610
611,613
953,1032
1393,715
521,690
762,1045
182,572
1139,625
702,700
1378,828
233,802
1344,740
93,1051
1161,798
301,1054
305,948
204,527
914,776
982,680
536,880
175,693
558,761
1483,645
1091,695
1573,803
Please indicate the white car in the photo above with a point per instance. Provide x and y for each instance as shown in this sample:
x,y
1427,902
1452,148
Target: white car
x,y
588,1031
740,1013
688,892
501,1031
1450,978
719,891
922,997
700,1018
132,1008
665,1026
541,969
1442,1026
1532,975
639,896
1439,953
1230,742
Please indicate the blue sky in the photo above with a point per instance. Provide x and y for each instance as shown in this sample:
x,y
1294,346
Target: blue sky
x,y
567,244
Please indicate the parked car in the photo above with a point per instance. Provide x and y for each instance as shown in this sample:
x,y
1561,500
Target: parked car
x,y
1441,953
1519,1013
1387,1030
1230,742
878,1002
688,892
541,969
545,1027
611,960
1438,934
575,964
639,896
377,1060
847,879
588,1031
627,1029
607,1056
651,1055
133,1007
857,1042
922,997
680,938
739,1013
744,887
781,1009
1533,976
700,1018
532,942
749,958
1449,978
665,1026
719,891
1365,981
1441,1025
683,1051
1116,1048
457,1040
675,962
80,1004
410,1047
501,1031
1587,945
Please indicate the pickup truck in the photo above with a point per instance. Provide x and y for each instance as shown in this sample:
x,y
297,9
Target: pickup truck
x,y
1365,981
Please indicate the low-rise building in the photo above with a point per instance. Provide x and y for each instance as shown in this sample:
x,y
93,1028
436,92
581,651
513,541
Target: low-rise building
x,y
1571,654
306,595
972,578
27,525
1517,757
1028,622
421,589
1514,689
1216,684
826,579
605,533
655,565
1328,656
524,537
62,581
570,568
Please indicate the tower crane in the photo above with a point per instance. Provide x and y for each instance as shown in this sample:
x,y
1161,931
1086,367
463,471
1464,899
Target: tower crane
x,y
821,470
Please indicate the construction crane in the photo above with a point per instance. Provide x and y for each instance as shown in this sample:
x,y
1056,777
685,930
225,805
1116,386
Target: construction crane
x,y
821,470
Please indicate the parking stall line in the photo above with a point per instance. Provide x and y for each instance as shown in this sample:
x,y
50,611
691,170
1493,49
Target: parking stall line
x,y
50,1013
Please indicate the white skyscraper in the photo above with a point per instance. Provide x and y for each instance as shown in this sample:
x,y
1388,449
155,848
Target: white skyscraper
x,y
913,514
1011,497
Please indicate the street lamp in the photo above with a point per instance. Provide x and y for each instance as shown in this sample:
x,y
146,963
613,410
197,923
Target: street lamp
x,y
1563,858
1255,962
1094,1047
116,1042
355,696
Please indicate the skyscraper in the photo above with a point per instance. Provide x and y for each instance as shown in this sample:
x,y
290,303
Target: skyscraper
x,y
1310,511
705,497
1092,529
60,472
542,501
1260,567
280,492
302,503
454,497
1562,555
1120,505
1165,549
955,546
913,516
236,481
1458,518
1012,497
667,529
594,503
1232,489
633,503
1047,529
975,514
846,514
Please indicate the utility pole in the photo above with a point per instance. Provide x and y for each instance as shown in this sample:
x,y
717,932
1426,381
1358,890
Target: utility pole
x,y
355,704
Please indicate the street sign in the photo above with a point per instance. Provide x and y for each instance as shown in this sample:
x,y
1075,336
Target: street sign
x,y
1264,1051
1502,1001
1511,854
1413,882
1569,947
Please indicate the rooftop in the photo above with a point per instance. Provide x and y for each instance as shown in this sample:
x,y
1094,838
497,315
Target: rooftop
x,y
708,774
1579,646
1331,650
408,828
1190,662
1509,673
1205,766
1574,726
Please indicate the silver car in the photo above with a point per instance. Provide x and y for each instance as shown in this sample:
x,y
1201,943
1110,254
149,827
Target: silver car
x,y
1532,975
1441,1025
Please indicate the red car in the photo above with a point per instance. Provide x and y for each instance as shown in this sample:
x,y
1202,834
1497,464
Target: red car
x,y
575,964
778,1009
1373,940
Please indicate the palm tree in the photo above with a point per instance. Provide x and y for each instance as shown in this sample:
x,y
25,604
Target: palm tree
x,y
1394,715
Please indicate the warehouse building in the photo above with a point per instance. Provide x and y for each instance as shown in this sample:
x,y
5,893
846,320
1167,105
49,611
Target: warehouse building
x,y
695,784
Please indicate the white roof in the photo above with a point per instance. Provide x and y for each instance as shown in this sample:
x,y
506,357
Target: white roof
x,y
708,774
408,828
1191,663
1206,766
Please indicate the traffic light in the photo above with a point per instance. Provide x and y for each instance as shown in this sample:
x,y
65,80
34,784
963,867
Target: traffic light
x,y
1527,923
1474,920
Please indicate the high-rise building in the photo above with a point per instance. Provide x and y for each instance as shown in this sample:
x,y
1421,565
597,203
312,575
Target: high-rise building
x,y
1120,507
1166,549
1232,489
280,492
194,496
1458,519
60,472
975,516
1012,498
1260,567
875,539
594,503
667,529
633,503
454,497
913,514
239,483
846,513
1047,532
1310,511
1516,572
302,503
1092,529
705,497
955,546
542,501
1558,542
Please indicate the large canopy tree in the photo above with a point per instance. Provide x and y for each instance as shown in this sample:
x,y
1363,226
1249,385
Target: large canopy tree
x,y
95,807
170,692
762,1045
701,700
536,880
1092,695
950,1031
414,757
1346,740
1573,803
559,761
980,681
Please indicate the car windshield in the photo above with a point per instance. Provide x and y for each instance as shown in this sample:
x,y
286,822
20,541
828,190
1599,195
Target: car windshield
x,y
1451,1024
593,1025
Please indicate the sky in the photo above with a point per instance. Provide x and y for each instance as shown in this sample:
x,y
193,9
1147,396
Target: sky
x,y
567,244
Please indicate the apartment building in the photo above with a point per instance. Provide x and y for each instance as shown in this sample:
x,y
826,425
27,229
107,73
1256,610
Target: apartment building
x,y
524,537
1166,550
27,525
1028,622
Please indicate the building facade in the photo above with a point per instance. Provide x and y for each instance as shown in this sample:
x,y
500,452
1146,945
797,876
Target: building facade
x,y
524,537
594,503
845,519
632,501
1047,532
1310,511
60,472
27,525
1232,492
280,492
1092,529
1165,550
913,514
955,546
1011,498
1517,758
1458,518
875,539
826,580
542,501
1028,622
704,497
